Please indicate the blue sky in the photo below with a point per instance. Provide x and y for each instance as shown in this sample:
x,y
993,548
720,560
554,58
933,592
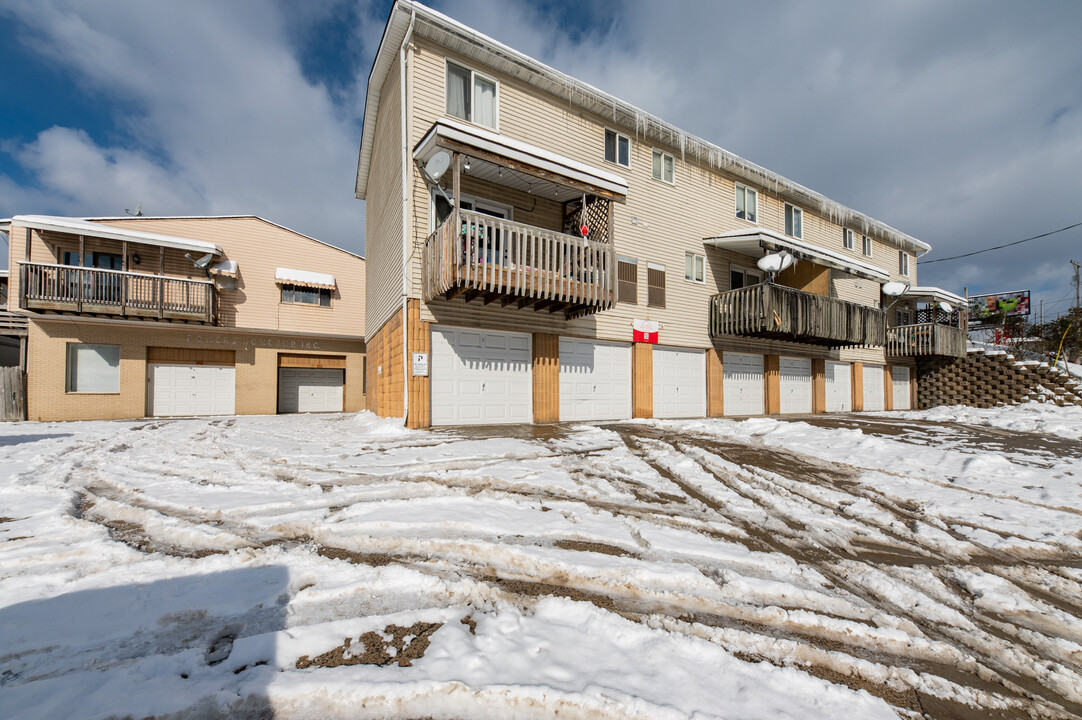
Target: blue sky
x,y
957,122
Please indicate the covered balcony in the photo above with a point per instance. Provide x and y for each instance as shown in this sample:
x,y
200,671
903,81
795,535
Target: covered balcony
x,y
516,224
86,268
798,306
929,322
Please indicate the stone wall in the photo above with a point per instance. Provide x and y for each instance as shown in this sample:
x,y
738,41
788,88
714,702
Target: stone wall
x,y
987,378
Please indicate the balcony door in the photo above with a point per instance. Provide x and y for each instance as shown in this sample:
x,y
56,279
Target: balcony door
x,y
98,288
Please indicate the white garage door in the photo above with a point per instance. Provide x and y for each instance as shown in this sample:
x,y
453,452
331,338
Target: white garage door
x,y
839,388
310,389
191,390
743,383
480,377
679,382
796,385
873,387
900,386
595,380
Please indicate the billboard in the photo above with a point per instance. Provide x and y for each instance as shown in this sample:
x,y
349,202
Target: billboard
x,y
993,309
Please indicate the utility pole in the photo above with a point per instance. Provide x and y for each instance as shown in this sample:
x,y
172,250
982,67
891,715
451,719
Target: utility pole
x,y
1076,267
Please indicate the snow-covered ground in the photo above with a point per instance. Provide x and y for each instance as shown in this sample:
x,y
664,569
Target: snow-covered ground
x,y
868,566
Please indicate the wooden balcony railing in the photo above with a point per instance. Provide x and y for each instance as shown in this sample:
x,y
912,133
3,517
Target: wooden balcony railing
x,y
926,339
68,288
783,313
493,258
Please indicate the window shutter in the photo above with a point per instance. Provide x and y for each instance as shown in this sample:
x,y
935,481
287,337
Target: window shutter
x,y
627,281
655,281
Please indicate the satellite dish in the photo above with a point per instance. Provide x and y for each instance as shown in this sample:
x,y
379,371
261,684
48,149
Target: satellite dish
x,y
946,307
775,262
895,288
202,262
437,165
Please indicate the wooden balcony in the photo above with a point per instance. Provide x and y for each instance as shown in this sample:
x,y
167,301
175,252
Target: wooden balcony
x,y
926,340
782,313
489,258
67,288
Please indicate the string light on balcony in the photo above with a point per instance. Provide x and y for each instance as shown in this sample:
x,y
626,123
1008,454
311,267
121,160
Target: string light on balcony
x,y
466,164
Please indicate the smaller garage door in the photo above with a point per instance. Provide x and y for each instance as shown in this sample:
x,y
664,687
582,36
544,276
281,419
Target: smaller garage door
x,y
900,386
310,389
839,388
796,385
742,383
679,382
480,377
595,380
873,387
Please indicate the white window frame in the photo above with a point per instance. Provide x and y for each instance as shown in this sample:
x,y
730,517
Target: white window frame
x,y
746,191
476,203
866,245
655,152
698,267
797,221
903,263
746,272
847,239
619,136
71,378
474,75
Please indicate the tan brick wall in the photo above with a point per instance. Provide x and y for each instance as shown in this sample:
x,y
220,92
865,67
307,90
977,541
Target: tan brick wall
x,y
256,366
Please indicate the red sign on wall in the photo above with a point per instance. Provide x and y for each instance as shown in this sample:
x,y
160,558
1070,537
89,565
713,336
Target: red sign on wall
x,y
645,331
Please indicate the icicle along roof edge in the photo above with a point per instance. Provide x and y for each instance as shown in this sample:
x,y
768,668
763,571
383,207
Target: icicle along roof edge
x,y
462,39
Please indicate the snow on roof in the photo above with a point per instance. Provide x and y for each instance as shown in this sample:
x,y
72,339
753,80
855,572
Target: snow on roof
x,y
82,226
228,268
514,149
750,238
304,277
406,15
935,293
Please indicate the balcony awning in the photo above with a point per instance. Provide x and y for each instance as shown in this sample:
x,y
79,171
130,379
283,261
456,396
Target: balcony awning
x,y
753,241
934,293
77,226
528,157
305,278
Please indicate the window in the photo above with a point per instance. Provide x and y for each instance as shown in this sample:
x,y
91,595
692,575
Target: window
x,y
93,368
627,280
664,167
847,239
903,263
470,96
617,148
902,317
866,246
306,295
794,221
655,285
747,204
694,267
740,277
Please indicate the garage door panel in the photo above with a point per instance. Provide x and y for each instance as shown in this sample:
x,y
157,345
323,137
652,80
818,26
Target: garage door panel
x,y
838,383
795,385
480,376
679,382
310,389
742,378
191,390
900,379
873,387
595,380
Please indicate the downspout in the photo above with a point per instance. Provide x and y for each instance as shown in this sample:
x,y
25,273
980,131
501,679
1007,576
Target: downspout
x,y
405,215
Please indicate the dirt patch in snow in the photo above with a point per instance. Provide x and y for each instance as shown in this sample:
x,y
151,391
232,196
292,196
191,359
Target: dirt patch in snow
x,y
358,558
596,547
395,644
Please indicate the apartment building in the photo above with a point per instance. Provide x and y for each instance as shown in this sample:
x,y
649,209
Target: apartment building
x,y
176,316
539,250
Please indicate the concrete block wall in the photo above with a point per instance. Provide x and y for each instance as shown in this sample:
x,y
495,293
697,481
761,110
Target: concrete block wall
x,y
988,378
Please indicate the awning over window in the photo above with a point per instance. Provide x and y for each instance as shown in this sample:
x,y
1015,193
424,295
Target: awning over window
x,y
77,226
226,268
753,241
304,278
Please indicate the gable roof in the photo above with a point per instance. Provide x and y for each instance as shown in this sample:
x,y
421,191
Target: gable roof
x,y
465,40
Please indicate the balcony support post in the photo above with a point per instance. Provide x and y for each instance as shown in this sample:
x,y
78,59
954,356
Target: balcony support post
x,y
161,282
79,290
124,279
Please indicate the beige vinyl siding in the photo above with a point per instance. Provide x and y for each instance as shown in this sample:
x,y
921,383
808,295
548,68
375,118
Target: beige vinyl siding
x,y
677,217
383,210
259,248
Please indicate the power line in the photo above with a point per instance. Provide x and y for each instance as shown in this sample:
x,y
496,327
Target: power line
x,y
997,247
